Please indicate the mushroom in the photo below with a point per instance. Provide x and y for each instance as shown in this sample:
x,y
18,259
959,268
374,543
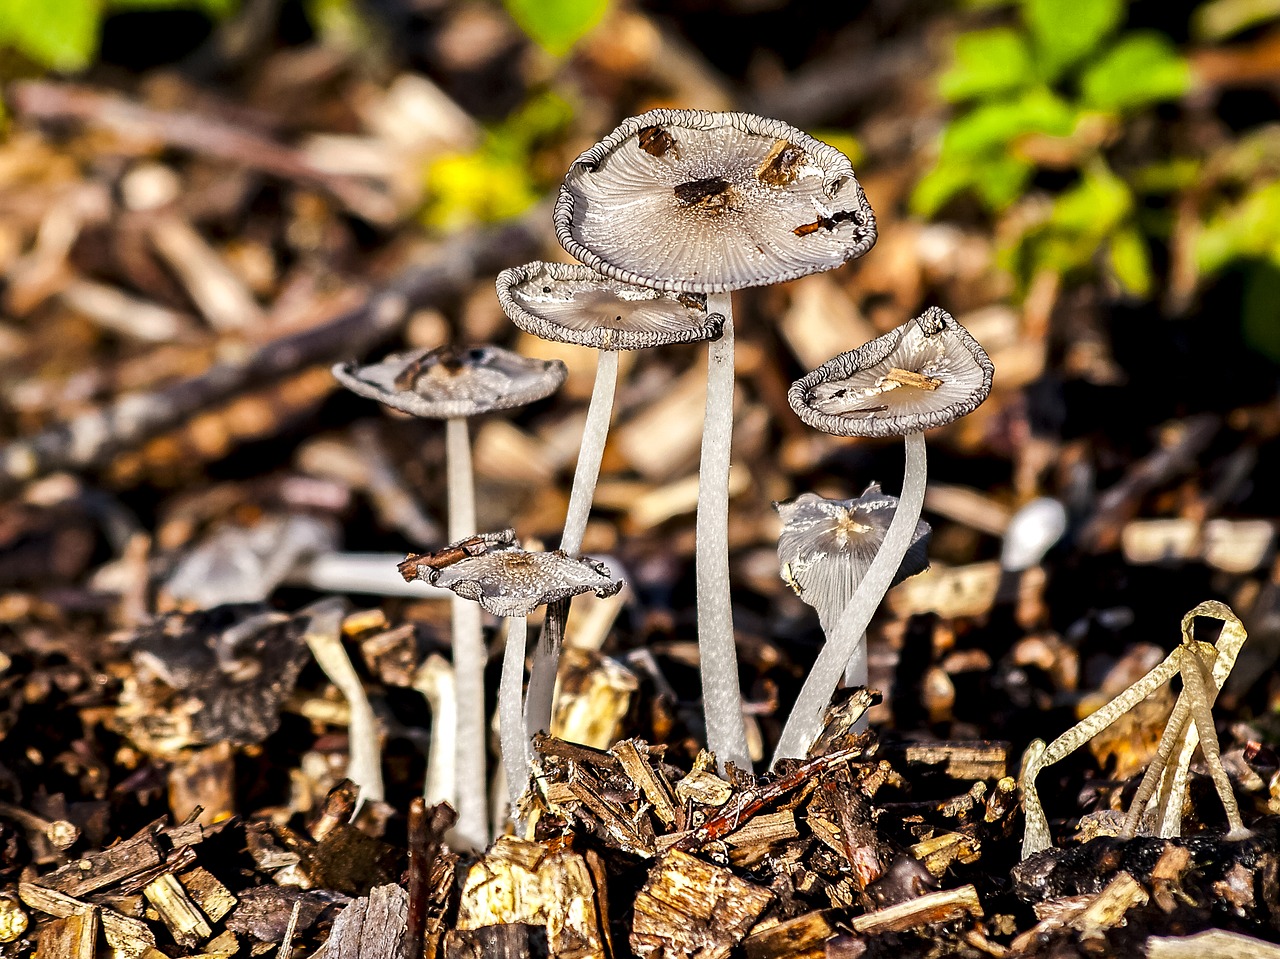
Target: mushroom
x,y
697,202
825,548
512,583
571,303
924,374
453,384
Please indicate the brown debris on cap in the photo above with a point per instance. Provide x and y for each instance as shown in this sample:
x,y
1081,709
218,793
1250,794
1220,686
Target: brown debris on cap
x,y
922,375
826,545
449,381
571,303
515,582
688,200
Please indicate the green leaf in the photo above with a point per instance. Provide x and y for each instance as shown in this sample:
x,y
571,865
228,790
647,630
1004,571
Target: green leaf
x,y
993,126
217,9
1249,229
1094,207
1143,68
62,34
556,25
939,185
1067,31
1129,262
1258,326
999,182
986,62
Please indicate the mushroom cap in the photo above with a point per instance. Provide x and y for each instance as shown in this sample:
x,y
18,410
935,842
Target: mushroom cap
x,y
700,202
515,582
572,303
924,374
826,546
449,381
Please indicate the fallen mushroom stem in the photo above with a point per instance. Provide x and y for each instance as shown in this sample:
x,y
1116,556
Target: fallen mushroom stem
x,y
434,680
721,695
472,827
805,721
515,744
546,656
324,638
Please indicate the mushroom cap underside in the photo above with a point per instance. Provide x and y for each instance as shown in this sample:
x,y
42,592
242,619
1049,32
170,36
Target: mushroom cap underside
x,y
449,382
515,582
572,303
826,545
689,200
921,375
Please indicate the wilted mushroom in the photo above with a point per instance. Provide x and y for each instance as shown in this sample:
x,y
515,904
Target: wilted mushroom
x,y
825,548
699,202
453,384
926,373
513,583
571,303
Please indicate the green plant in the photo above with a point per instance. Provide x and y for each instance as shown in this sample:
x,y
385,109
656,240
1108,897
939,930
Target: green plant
x,y
1051,92
556,25
63,34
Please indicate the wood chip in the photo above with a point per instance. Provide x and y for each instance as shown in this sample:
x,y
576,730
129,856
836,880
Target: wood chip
x,y
75,937
1211,944
934,907
693,909
786,939
652,783
129,937
372,927
185,922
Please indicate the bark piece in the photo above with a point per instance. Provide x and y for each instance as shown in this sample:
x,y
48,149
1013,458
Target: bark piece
x,y
693,909
786,939
185,922
372,927
934,907
512,940
112,865
128,937
527,882
1211,944
74,937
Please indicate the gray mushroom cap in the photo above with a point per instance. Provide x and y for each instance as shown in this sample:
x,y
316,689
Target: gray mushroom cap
x,y
826,545
515,582
922,375
572,303
449,381
688,200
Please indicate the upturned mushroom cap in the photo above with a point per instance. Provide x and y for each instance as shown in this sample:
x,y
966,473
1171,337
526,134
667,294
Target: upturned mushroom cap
x,y
826,545
702,202
572,303
449,382
924,374
515,582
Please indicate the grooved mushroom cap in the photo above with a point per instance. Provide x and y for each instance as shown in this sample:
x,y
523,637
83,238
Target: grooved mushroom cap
x,y
924,374
703,202
515,582
826,545
571,303
448,382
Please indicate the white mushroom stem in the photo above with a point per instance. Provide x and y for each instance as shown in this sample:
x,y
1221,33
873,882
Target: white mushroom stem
x,y
546,656
324,638
515,744
721,695
857,673
805,721
434,680
472,828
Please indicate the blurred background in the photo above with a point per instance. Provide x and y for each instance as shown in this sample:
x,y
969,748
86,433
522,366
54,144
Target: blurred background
x,y
204,204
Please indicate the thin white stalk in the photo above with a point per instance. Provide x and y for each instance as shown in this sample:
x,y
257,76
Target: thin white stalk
x,y
546,655
594,434
857,669
805,721
515,745
472,828
324,638
434,680
721,695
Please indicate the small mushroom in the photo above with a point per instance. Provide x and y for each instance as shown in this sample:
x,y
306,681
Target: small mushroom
x,y
926,373
825,548
453,384
571,303
513,583
697,202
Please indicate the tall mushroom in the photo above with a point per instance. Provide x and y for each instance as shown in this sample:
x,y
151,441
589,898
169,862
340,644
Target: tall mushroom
x,y
571,303
513,583
697,202
453,384
924,374
826,547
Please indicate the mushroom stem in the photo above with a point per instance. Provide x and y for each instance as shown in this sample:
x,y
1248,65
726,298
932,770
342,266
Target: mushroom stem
x,y
857,673
721,696
472,827
546,655
515,745
805,721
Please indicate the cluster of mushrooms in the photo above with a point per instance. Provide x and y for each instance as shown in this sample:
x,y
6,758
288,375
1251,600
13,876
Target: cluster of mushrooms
x,y
668,215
